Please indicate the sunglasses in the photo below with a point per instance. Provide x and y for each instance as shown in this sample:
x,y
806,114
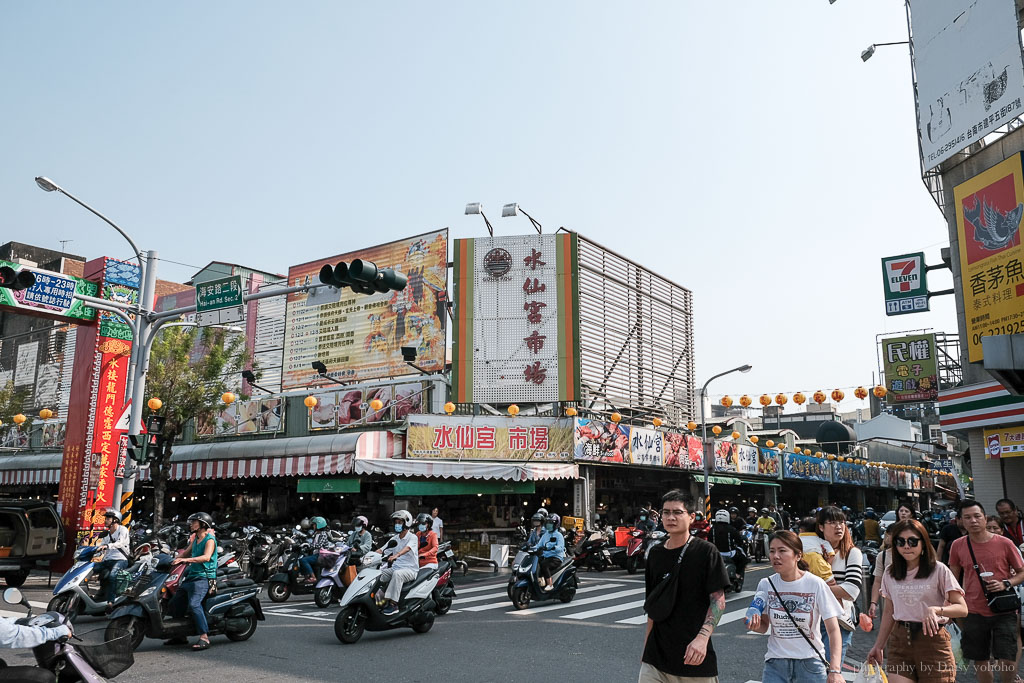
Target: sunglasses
x,y
912,542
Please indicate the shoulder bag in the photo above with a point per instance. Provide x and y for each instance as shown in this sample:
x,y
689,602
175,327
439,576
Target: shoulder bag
x,y
790,615
1003,602
662,600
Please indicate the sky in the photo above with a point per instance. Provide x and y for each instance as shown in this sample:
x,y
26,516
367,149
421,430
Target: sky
x,y
741,149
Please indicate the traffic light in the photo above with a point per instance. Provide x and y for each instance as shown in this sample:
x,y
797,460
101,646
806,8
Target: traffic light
x,y
145,447
138,445
16,279
363,277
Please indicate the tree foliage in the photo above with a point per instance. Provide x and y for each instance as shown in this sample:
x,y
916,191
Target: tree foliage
x,y
12,402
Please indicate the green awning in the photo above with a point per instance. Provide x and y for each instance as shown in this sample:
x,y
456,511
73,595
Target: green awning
x,y
329,485
461,487
736,481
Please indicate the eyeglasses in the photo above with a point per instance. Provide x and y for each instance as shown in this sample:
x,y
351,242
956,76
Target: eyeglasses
x,y
673,513
912,541
836,523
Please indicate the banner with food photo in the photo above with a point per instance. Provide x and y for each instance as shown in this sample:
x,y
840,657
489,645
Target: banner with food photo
x,y
271,415
601,441
683,451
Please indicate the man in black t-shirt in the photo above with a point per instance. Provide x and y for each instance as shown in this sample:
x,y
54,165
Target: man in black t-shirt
x,y
680,646
947,534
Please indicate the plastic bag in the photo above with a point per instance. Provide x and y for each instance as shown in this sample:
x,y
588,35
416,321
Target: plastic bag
x,y
869,673
954,641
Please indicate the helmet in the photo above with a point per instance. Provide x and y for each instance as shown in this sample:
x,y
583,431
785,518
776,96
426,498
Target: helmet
x,y
318,523
751,509
304,524
424,518
543,511
404,516
203,519
764,511
845,509
538,518
722,516
699,516
734,509
361,520
111,512
554,519
869,514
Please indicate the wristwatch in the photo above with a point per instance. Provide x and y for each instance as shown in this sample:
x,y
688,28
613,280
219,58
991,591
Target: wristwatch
x,y
1006,582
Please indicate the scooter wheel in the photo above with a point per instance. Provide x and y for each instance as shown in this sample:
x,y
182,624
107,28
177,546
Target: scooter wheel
x,y
134,626
520,597
278,592
442,606
245,633
424,623
567,595
323,596
633,564
350,624
66,604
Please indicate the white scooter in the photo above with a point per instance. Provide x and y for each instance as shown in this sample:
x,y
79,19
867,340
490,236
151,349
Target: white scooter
x,y
359,610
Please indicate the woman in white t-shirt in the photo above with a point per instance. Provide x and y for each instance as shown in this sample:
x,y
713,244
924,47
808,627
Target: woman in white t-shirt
x,y
921,594
797,602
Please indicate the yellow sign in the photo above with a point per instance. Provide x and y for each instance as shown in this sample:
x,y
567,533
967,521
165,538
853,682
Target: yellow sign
x,y
572,523
1005,442
989,208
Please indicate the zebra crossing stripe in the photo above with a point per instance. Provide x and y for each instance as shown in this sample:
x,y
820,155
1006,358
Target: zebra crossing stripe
x,y
575,603
476,589
604,610
505,602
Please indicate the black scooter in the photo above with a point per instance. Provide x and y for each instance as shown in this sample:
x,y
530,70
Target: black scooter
x,y
233,610
527,588
290,580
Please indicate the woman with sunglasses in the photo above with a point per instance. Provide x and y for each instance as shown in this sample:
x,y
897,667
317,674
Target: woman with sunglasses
x,y
921,594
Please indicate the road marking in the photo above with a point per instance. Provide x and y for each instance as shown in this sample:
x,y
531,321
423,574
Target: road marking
x,y
279,613
642,619
740,596
505,602
604,610
730,617
486,596
575,603
476,589
281,610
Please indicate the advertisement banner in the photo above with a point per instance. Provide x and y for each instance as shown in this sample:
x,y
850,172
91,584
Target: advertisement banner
x,y
113,374
725,456
601,441
360,336
516,319
646,447
989,207
486,437
51,295
746,459
683,451
874,479
768,462
884,480
906,284
1004,442
849,473
805,467
910,368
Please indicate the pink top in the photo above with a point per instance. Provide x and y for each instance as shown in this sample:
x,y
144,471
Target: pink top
x,y
912,596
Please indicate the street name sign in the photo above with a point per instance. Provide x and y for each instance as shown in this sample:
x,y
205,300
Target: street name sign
x,y
219,302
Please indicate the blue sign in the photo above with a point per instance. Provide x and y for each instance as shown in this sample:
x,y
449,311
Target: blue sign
x,y
768,462
795,466
51,290
849,473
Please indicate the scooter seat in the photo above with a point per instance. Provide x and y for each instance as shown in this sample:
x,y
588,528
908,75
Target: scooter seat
x,y
235,583
423,575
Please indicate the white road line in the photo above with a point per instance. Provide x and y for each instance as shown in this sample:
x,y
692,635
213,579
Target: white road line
x,y
575,603
604,610
486,596
281,610
642,618
299,616
475,588
506,603
740,596
730,617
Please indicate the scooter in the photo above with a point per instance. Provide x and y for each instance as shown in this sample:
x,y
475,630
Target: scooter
x,y
330,586
359,610
593,552
289,580
521,555
71,595
735,578
233,610
760,542
528,588
444,593
635,550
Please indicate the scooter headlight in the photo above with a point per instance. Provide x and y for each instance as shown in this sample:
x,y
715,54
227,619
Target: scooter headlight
x,y
149,591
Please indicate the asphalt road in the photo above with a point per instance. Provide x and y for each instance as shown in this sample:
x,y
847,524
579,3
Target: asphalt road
x,y
598,636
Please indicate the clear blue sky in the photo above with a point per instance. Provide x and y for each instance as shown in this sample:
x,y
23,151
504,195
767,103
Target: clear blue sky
x,y
741,149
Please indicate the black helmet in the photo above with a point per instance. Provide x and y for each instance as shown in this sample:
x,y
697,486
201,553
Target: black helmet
x,y
764,511
734,509
204,519
424,518
537,518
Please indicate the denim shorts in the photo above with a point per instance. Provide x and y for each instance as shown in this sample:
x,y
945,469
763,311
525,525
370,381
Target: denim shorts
x,y
794,671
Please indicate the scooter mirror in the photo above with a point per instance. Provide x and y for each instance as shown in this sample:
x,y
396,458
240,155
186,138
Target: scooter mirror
x,y
13,596
393,543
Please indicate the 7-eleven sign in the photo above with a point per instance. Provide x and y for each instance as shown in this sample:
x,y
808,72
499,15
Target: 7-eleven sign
x,y
906,284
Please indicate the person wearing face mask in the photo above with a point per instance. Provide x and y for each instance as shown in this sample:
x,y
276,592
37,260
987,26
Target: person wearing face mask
x,y
552,544
644,521
359,539
402,560
537,530
118,545
427,540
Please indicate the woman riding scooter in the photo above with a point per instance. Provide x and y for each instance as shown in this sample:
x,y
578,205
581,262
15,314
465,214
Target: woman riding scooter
x,y
427,541
553,545
321,539
201,571
359,539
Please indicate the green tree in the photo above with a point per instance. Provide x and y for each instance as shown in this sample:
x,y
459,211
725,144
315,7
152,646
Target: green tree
x,y
12,402
189,370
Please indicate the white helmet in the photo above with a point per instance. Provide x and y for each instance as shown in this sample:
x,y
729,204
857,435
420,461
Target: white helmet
x,y
403,515
722,516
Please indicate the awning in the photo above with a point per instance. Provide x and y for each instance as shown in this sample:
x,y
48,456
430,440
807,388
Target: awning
x,y
301,465
454,469
405,487
736,481
329,485
30,469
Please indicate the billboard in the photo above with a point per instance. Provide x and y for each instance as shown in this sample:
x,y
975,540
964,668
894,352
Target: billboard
x,y
768,462
910,368
1004,442
360,336
849,473
601,441
796,466
684,451
906,284
516,319
51,296
487,437
989,207
970,78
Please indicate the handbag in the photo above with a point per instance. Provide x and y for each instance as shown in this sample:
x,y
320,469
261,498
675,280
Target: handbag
x,y
800,630
1003,602
869,673
662,600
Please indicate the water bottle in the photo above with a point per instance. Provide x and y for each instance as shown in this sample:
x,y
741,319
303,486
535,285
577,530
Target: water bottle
x,y
757,606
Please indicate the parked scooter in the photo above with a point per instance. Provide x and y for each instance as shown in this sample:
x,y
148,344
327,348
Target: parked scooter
x,y
527,587
359,610
330,587
233,610
592,552
635,550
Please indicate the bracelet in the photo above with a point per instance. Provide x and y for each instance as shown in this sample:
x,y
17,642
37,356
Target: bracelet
x,y
835,671
874,602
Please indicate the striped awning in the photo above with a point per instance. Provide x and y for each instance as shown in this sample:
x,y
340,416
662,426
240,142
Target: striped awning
x,y
27,469
979,405
29,477
291,466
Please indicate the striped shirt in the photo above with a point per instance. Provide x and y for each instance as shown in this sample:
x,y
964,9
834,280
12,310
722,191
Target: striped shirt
x,y
849,575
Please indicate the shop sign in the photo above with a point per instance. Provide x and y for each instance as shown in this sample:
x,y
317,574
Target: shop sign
x,y
989,208
906,284
359,336
1005,442
884,480
725,456
601,441
645,447
258,416
796,466
768,462
927,483
915,481
910,368
746,459
905,482
684,451
874,479
849,473
485,437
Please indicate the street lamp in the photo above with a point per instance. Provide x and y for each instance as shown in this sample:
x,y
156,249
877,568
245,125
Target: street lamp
x,y
513,209
477,207
870,50
704,429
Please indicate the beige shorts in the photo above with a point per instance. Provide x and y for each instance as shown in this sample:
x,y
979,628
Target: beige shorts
x,y
649,674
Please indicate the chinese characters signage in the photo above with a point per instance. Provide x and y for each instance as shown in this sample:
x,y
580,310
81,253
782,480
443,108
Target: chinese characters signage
x,y
910,368
1005,442
113,375
645,447
849,473
488,438
906,284
517,319
684,451
51,295
989,208
360,336
796,466
601,441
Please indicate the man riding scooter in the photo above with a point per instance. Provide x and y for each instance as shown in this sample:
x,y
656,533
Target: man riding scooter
x,y
403,561
201,570
321,539
359,539
118,545
729,541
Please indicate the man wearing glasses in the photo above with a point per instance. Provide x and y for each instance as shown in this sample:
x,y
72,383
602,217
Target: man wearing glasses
x,y
678,648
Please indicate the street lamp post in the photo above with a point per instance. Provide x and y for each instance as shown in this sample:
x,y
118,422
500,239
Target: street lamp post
x,y
704,431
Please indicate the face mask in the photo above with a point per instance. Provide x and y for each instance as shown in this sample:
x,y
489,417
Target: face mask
x,y
423,527
551,527
398,528
359,527
643,518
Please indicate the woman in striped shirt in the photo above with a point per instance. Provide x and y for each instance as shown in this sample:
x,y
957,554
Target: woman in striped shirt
x,y
847,568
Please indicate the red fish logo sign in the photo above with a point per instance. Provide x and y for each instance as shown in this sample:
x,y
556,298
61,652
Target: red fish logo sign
x,y
992,218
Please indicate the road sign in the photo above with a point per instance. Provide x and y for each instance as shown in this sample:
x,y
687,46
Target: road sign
x,y
219,302
906,284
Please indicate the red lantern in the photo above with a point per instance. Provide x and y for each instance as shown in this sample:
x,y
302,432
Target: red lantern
x,y
861,393
765,400
781,399
880,391
745,401
838,395
799,398
726,401
819,397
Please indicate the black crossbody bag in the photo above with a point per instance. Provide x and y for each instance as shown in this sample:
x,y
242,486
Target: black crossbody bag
x,y
797,626
662,600
1003,602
